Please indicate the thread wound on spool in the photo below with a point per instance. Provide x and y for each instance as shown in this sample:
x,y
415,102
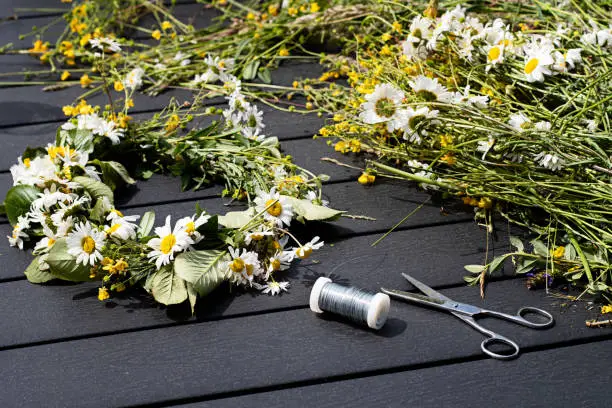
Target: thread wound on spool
x,y
360,306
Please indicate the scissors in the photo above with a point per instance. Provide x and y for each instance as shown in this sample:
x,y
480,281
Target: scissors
x,y
467,313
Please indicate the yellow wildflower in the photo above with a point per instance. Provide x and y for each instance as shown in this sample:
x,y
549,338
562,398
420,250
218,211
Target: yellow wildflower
x,y
292,11
85,40
156,34
121,265
397,26
166,25
341,147
118,86
250,16
558,252
273,9
68,110
606,309
283,52
173,123
355,146
385,37
366,179
309,105
38,47
314,7
85,81
103,294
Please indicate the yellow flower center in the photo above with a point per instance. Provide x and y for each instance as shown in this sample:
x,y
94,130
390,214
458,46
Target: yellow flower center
x,y
494,53
531,65
88,244
257,237
274,207
237,265
190,227
167,243
275,264
26,162
113,228
50,242
303,252
249,269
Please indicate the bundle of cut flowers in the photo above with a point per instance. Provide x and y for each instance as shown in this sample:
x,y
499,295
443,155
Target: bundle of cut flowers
x,y
510,115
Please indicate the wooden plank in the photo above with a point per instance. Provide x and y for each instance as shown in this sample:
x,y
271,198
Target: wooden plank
x,y
560,377
264,350
56,312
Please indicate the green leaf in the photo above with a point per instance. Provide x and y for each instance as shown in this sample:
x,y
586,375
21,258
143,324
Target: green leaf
x,y
35,275
166,286
313,212
265,76
95,188
113,173
525,265
517,243
98,211
2,209
570,253
497,263
237,219
203,269
475,268
146,223
539,248
192,295
82,140
250,70
18,200
62,265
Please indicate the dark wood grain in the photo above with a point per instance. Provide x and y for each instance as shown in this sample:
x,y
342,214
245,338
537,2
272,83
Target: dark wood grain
x,y
272,349
561,377
73,310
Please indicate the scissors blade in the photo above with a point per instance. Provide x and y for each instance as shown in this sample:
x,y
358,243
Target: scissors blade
x,y
426,289
417,298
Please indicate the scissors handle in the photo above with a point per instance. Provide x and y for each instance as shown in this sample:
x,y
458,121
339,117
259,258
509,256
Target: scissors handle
x,y
499,339
520,319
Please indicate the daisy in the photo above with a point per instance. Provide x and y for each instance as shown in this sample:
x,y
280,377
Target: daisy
x,y
550,161
32,171
429,89
258,235
485,146
420,29
133,80
495,56
537,62
167,242
314,198
604,37
50,197
416,122
16,238
567,61
280,261
413,51
275,207
252,122
305,250
243,266
382,105
109,129
479,101
85,243
543,126
105,44
519,121
122,228
274,288
62,224
191,224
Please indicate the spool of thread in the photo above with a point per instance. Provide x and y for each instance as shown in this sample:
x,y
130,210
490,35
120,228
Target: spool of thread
x,y
358,305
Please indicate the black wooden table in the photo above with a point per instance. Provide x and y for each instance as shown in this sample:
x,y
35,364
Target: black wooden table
x,y
60,346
